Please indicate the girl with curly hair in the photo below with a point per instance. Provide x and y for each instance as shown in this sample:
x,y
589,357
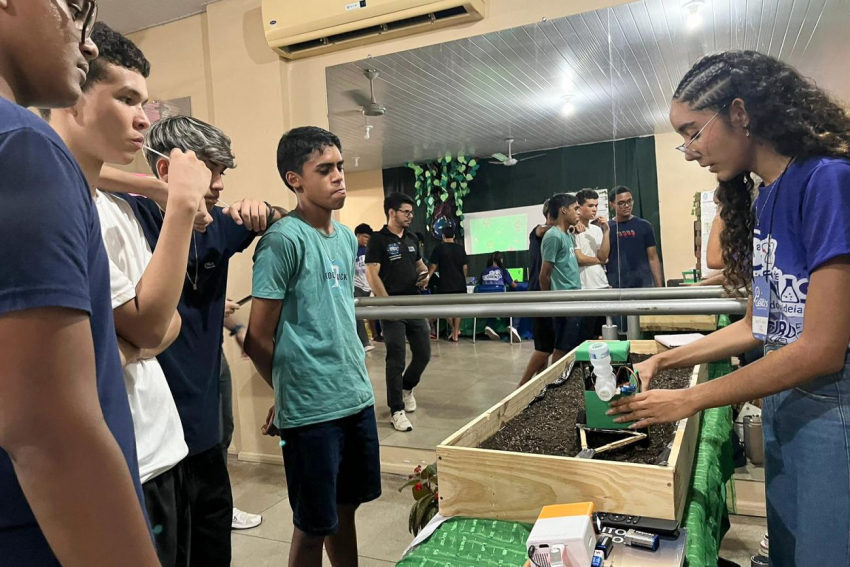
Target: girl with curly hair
x,y
743,113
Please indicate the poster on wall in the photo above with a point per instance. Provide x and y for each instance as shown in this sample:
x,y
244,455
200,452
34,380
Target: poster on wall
x,y
708,210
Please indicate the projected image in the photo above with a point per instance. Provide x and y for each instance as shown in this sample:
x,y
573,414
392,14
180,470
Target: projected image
x,y
505,233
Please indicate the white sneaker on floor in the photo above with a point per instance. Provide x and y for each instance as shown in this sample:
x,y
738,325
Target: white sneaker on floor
x,y
244,520
409,400
400,421
369,348
515,335
764,546
491,334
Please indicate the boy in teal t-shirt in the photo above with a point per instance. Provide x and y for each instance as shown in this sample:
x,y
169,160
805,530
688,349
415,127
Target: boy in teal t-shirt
x,y
560,271
302,338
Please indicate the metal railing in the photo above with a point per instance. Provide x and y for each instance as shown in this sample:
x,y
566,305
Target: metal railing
x,y
429,309
706,292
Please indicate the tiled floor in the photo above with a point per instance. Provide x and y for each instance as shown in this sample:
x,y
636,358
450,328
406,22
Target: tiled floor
x,y
462,381
258,488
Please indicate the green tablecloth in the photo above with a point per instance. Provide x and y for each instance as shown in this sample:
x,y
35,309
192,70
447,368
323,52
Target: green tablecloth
x,y
463,542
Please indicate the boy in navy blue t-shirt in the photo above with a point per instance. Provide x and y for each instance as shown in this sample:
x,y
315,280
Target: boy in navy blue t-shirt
x,y
69,485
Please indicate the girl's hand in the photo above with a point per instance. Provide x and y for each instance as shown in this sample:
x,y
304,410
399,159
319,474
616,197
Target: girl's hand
x,y
655,406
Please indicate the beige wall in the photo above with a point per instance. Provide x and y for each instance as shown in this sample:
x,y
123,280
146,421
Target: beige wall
x,y
678,180
365,200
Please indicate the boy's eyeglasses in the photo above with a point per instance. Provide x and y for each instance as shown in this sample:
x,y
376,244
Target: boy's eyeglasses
x,y
686,148
405,213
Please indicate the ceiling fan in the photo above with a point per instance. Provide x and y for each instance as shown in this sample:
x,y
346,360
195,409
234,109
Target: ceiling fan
x,y
509,160
369,106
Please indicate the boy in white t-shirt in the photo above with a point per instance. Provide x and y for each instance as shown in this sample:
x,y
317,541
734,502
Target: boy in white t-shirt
x,y
593,246
593,242
106,126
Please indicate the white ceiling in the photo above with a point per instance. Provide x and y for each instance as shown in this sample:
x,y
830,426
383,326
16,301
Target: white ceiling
x,y
468,95
127,16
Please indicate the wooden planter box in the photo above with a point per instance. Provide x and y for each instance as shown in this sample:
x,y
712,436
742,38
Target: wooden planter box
x,y
503,485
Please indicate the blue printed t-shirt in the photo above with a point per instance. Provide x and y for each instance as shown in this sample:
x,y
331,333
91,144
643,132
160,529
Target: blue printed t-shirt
x,y
559,249
494,275
53,256
192,364
802,224
628,262
319,368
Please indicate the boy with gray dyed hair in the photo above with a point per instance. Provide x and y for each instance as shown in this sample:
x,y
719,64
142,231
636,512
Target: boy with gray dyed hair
x,y
188,134
192,364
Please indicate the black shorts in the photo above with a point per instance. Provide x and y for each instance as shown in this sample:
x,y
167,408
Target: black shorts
x,y
168,512
569,332
593,327
331,463
544,334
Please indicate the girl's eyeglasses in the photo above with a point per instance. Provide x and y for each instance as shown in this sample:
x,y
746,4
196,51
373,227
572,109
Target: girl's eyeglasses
x,y
686,148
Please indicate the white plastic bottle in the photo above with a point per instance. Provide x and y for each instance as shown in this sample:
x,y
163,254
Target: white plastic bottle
x,y
606,383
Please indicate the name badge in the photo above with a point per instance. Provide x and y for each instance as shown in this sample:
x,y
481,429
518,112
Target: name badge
x,y
761,306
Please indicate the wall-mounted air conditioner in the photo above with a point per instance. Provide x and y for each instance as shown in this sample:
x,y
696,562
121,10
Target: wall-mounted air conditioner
x,y
297,29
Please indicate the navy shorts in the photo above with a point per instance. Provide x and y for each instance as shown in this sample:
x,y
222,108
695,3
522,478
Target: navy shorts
x,y
544,334
331,463
569,332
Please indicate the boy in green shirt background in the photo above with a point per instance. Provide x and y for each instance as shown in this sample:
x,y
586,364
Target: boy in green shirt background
x,y
560,270
302,338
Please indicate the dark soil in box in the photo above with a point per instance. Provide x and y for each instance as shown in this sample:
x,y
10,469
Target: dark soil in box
x,y
548,426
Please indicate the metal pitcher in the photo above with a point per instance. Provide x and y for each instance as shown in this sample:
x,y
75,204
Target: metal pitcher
x,y
753,440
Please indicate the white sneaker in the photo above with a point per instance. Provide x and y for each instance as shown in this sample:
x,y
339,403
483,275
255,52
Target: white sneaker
x,y
244,520
491,334
515,335
369,348
400,421
409,400
764,546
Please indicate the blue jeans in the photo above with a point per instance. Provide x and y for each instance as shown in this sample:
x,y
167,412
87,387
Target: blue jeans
x,y
807,470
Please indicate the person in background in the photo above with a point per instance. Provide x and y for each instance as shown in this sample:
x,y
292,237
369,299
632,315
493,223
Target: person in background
x,y
594,246
633,261
192,364
301,337
560,271
395,267
69,475
363,232
145,287
242,520
495,274
449,258
793,244
544,332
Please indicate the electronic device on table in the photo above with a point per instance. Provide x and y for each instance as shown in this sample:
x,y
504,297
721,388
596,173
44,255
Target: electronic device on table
x,y
562,536
573,535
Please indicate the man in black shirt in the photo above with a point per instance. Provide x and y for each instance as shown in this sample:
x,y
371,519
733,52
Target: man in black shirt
x,y
450,259
544,332
394,266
